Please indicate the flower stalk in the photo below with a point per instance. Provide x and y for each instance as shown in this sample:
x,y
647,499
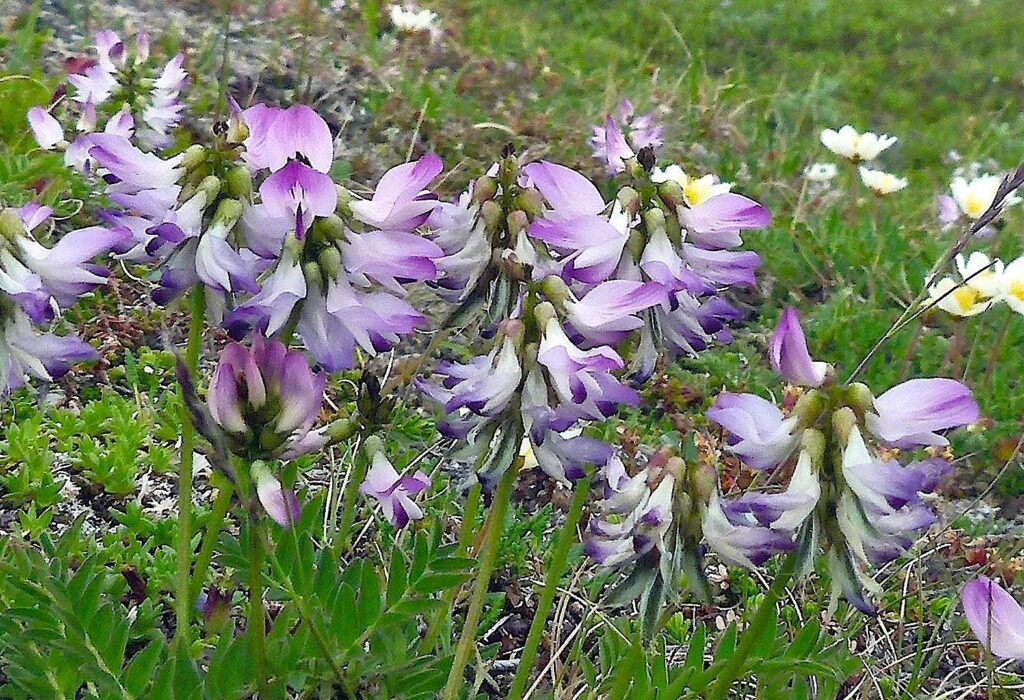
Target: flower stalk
x,y
555,569
183,594
488,559
256,624
734,666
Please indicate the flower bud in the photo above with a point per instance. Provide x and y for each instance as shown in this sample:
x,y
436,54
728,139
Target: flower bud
x,y
671,194
329,228
654,220
491,213
344,199
705,481
330,261
858,396
809,407
239,182
341,430
630,201
193,157
813,443
517,223
555,289
531,202
228,212
314,276
484,189
844,420
210,186
11,225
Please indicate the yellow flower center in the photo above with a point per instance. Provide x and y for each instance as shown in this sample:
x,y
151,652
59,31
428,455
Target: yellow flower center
x,y
965,298
974,206
696,190
1016,289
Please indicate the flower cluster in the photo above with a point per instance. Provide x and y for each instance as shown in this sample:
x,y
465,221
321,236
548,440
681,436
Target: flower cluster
x,y
623,135
120,93
865,147
857,500
36,284
982,282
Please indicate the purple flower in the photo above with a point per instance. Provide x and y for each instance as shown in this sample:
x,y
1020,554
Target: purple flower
x,y
761,435
948,211
788,355
910,413
564,457
45,128
461,234
716,222
250,380
738,543
613,143
606,314
574,220
393,491
299,192
485,385
996,619
25,352
278,137
400,202
280,503
132,170
784,511
581,379
643,518
882,507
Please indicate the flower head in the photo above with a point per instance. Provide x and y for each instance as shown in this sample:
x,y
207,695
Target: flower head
x,y
849,144
821,172
622,135
881,182
266,398
393,491
788,355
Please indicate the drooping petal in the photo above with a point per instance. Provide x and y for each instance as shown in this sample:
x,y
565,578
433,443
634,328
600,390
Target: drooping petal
x,y
46,129
788,355
763,436
911,413
996,619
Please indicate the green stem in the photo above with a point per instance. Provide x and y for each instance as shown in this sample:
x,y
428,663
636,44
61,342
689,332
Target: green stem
x,y
360,464
488,559
734,667
256,624
213,527
448,599
182,597
556,566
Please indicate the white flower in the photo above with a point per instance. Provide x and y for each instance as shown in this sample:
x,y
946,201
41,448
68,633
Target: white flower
x,y
1011,285
856,147
820,172
881,182
973,197
411,20
981,273
962,301
695,190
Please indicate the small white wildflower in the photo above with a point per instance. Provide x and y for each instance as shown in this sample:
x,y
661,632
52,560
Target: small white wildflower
x,y
410,20
957,299
850,144
820,172
881,182
974,196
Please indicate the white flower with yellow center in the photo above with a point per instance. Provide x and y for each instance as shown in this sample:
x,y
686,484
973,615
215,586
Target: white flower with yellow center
x,y
881,182
410,20
854,146
1011,287
821,172
957,298
695,190
973,197
981,273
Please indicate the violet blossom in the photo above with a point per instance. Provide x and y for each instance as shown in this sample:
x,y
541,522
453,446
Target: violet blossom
x,y
36,284
120,93
874,505
393,491
622,135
